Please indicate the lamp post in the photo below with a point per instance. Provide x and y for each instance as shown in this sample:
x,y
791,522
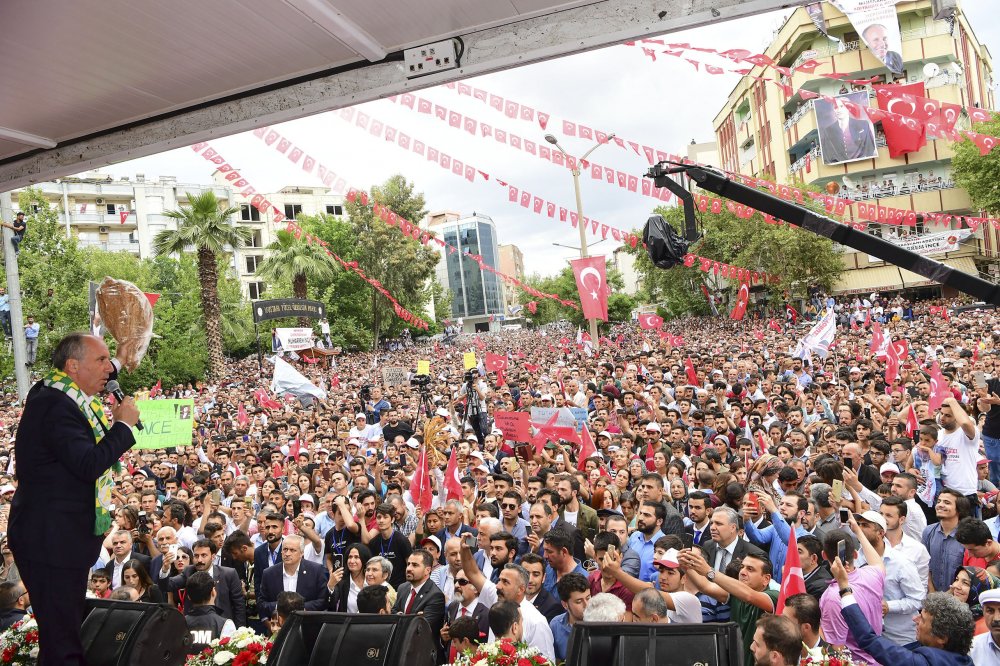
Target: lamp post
x,y
579,210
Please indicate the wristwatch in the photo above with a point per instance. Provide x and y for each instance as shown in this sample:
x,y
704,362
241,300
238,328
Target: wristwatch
x,y
710,575
845,591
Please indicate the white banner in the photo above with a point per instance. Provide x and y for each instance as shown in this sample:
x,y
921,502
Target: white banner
x,y
292,339
928,244
876,22
287,379
817,341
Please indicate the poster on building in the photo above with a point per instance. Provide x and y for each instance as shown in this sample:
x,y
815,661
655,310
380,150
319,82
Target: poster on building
x,y
165,423
928,244
293,339
842,137
876,22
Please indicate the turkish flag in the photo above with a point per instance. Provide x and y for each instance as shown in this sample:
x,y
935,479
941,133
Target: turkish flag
x,y
650,321
452,479
891,367
912,425
152,298
774,325
241,415
587,447
650,461
495,362
902,134
792,313
692,376
122,216
592,283
792,581
532,306
420,486
939,388
742,300
877,338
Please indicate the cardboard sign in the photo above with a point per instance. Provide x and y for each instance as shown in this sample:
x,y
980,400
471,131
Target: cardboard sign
x,y
394,376
514,425
569,417
469,359
165,423
423,367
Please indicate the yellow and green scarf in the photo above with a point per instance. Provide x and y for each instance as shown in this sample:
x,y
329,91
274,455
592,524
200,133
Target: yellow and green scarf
x,y
93,410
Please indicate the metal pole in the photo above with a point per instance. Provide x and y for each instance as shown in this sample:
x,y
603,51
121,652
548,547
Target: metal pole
x,y
583,244
14,292
65,198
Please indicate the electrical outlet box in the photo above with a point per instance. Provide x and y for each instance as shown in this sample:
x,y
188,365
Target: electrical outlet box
x,y
430,58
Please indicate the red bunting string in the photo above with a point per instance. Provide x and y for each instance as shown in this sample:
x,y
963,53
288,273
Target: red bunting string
x,y
705,265
271,137
526,199
278,217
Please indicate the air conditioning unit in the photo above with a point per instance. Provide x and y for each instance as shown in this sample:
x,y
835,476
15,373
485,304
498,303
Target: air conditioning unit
x,y
100,201
103,230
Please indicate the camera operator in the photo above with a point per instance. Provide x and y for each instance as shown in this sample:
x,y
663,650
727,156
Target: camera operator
x,y
475,412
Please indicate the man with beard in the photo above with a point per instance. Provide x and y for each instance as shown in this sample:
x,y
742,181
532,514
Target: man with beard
x,y
776,642
547,604
229,590
986,646
785,517
268,553
649,518
394,427
572,511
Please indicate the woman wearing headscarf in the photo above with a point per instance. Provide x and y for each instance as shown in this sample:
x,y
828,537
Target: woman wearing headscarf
x,y
763,473
969,583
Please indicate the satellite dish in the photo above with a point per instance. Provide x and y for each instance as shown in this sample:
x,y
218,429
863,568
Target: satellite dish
x,y
931,70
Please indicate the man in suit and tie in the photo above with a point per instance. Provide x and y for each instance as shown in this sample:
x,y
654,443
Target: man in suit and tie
x,y
294,574
700,513
121,548
724,547
165,537
418,594
465,605
229,590
543,518
65,449
268,553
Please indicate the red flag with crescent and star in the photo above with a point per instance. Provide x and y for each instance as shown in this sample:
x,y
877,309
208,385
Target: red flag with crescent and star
x,y
650,321
903,132
793,582
742,300
592,281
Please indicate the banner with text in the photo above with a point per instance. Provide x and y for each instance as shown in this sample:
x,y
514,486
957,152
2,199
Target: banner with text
x,y
294,339
928,244
165,423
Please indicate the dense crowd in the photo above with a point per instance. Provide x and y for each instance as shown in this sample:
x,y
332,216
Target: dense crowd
x,y
709,457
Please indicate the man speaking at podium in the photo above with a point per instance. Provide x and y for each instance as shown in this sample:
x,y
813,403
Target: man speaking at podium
x,y
65,453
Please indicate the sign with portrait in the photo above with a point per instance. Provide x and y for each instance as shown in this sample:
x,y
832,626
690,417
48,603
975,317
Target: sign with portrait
x,y
165,423
842,137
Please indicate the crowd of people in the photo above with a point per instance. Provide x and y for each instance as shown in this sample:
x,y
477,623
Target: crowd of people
x,y
709,457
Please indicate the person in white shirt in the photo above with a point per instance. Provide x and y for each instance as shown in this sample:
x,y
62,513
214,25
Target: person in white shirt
x,y
895,512
959,442
986,646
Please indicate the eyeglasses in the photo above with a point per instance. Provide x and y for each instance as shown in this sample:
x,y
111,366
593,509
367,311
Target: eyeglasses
x,y
459,582
508,506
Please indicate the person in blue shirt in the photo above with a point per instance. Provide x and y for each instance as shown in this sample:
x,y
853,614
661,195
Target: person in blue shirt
x,y
649,518
377,404
31,340
5,311
774,537
559,562
574,593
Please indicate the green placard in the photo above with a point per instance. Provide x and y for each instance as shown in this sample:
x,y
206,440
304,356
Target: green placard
x,y
165,423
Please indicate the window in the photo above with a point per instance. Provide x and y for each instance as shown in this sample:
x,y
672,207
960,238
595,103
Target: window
x,y
748,151
249,214
255,239
334,210
111,209
253,263
256,290
292,211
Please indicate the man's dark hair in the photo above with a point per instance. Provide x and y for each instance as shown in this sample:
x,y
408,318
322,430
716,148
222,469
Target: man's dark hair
x,y
654,477
559,540
509,540
288,603
71,346
668,541
503,615
897,502
831,542
385,509
806,609
605,539
371,599
365,494
781,635
909,478
235,541
10,592
211,529
425,556
204,543
659,510
490,508
570,583
962,505
177,511
465,628
699,495
532,558
199,587
972,531
813,545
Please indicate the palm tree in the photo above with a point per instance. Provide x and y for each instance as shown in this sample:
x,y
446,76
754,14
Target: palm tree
x,y
205,226
295,261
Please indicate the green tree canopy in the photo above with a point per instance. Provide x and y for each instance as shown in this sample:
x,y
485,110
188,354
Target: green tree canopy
x,y
620,305
979,175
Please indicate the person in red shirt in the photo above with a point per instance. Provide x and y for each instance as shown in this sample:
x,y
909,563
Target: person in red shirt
x,y
100,584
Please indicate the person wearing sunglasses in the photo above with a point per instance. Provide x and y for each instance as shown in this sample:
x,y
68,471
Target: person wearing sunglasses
x,y
465,603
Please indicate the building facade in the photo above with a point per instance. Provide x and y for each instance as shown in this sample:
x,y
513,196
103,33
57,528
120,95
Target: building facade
x,y
125,215
512,263
477,295
764,131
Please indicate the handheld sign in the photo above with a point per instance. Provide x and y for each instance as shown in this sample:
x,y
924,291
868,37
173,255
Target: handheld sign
x,y
470,360
167,423
423,367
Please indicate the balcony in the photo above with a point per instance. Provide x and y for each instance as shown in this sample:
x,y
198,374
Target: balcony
x,y
102,220
829,48
110,245
876,191
814,156
801,111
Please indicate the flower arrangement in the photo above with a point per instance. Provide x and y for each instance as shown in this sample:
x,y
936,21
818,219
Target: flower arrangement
x,y
243,648
504,652
19,643
827,656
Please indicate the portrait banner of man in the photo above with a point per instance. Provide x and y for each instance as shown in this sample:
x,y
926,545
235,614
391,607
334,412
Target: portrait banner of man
x,y
842,137
876,22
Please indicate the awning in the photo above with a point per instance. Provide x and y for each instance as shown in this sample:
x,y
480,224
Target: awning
x,y
892,278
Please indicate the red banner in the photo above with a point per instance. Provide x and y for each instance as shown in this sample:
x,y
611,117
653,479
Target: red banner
x,y
515,425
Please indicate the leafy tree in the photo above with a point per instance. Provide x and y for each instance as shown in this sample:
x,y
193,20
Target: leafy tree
x,y
205,225
977,174
294,261
620,305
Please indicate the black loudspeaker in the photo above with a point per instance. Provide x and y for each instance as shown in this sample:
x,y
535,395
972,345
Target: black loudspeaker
x,y
125,633
625,644
318,639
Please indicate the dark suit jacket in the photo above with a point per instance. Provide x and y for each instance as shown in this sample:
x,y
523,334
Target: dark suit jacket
x,y
743,547
311,584
464,529
58,465
480,613
109,568
817,583
429,601
261,562
229,597
548,605
887,652
831,141
574,534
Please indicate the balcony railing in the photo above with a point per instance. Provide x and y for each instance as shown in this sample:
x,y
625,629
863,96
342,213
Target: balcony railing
x,y
881,192
833,48
111,245
799,112
814,154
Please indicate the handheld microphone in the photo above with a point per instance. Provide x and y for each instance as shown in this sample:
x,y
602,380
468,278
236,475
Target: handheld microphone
x,y
115,389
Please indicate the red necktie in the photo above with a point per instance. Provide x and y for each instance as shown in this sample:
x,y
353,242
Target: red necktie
x,y
409,604
465,612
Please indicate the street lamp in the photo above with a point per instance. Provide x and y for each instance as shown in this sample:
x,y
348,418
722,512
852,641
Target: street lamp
x,y
579,208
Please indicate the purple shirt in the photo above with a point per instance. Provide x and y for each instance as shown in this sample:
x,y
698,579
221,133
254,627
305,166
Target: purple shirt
x,y
867,583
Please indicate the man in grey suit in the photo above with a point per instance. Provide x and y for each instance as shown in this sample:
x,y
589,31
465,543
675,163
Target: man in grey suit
x,y
419,594
228,588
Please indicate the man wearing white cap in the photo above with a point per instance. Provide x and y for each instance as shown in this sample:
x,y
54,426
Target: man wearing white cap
x,y
986,646
360,430
904,590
